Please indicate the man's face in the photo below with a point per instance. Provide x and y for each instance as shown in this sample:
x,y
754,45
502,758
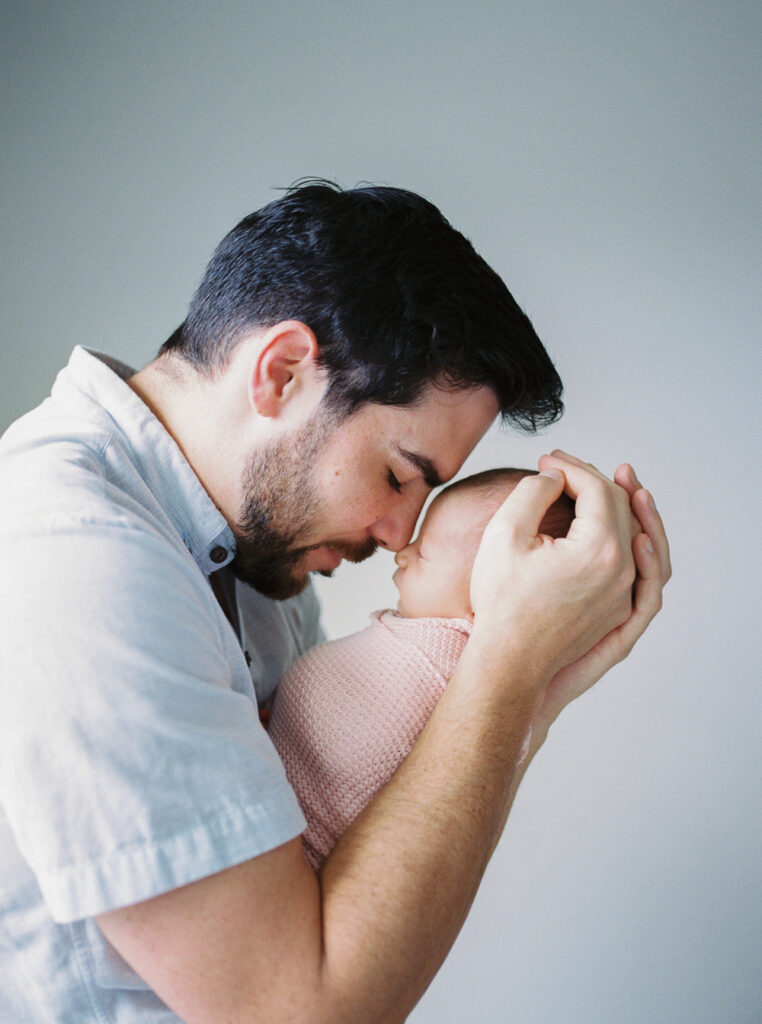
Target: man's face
x,y
331,490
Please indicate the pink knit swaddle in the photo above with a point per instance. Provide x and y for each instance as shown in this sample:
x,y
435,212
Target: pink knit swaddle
x,y
349,712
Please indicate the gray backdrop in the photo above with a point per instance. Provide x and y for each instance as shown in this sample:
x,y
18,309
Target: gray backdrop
x,y
603,157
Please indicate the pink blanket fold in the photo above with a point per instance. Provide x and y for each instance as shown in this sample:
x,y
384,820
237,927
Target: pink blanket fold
x,y
349,712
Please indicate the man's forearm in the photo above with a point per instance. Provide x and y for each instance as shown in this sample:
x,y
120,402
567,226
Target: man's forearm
x,y
399,884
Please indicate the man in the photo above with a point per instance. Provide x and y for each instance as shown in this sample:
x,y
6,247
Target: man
x,y
342,356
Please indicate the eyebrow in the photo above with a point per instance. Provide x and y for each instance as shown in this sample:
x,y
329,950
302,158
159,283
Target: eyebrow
x,y
423,464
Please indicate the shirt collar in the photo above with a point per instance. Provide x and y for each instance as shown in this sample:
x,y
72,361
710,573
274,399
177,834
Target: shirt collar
x,y
99,382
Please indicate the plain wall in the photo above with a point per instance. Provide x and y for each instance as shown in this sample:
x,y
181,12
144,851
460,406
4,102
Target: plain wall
x,y
604,158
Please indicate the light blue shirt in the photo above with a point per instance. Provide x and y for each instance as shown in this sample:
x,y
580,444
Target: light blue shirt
x,y
132,759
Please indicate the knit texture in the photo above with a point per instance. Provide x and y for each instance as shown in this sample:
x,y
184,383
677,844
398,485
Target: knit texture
x,y
349,711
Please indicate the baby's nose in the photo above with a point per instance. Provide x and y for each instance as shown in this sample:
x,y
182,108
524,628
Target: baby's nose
x,y
401,557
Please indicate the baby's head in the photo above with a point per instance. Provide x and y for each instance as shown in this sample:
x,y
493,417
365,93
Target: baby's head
x,y
434,574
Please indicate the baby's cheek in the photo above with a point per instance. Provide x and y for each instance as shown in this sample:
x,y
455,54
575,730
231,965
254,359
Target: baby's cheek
x,y
459,588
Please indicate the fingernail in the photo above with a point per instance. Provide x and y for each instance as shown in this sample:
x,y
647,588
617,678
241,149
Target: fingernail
x,y
649,546
651,502
552,474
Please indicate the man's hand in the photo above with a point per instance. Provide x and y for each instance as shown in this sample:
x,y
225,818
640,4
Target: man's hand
x,y
549,601
651,553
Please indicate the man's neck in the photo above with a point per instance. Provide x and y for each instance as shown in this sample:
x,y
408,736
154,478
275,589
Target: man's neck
x,y
192,410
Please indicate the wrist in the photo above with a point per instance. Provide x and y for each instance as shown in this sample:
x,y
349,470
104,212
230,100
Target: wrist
x,y
498,694
510,661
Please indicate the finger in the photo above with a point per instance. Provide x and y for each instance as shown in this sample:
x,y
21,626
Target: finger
x,y
557,453
572,468
647,600
649,584
525,507
627,478
635,528
598,499
651,524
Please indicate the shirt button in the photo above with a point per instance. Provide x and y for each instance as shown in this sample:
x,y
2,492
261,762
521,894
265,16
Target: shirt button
x,y
218,554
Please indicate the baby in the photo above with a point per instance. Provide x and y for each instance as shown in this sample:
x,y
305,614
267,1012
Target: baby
x,y
349,711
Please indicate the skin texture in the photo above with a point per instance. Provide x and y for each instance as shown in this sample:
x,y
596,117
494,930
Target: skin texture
x,y
434,569
356,487
268,940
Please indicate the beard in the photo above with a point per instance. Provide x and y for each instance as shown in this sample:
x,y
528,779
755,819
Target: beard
x,y
279,502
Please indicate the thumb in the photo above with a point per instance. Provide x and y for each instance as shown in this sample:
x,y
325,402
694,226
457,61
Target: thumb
x,y
525,507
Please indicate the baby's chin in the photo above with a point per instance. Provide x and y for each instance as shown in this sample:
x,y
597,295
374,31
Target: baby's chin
x,y
432,613
409,613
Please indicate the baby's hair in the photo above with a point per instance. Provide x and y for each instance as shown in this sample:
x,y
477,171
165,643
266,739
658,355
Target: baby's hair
x,y
493,486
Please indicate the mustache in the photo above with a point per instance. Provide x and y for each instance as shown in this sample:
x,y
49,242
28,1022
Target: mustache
x,y
357,552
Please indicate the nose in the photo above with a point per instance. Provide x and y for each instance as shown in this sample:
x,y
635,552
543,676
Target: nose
x,y
395,530
401,557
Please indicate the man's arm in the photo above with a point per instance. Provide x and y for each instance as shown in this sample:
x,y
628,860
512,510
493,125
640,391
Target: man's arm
x,y
268,940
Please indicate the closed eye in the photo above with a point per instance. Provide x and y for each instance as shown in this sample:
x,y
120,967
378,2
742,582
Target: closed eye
x,y
394,483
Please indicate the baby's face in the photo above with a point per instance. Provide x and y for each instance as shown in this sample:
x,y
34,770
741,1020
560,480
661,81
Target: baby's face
x,y
434,574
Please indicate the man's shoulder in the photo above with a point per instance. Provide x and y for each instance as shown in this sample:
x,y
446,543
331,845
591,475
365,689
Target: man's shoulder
x,y
64,474
74,518
62,484
46,456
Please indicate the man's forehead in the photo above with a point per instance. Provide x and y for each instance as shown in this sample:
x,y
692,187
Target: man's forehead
x,y
457,400
443,427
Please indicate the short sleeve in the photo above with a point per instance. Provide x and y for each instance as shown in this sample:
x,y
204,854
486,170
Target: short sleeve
x,y
132,758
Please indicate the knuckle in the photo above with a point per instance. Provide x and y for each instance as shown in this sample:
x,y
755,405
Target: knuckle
x,y
622,498
628,572
617,563
610,555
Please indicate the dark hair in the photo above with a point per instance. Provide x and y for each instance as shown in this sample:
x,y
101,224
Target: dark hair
x,y
396,297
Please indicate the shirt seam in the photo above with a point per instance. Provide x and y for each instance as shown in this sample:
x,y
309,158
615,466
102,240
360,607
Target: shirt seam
x,y
84,967
205,819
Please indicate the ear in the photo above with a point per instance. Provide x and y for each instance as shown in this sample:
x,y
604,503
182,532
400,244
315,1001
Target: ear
x,y
285,366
